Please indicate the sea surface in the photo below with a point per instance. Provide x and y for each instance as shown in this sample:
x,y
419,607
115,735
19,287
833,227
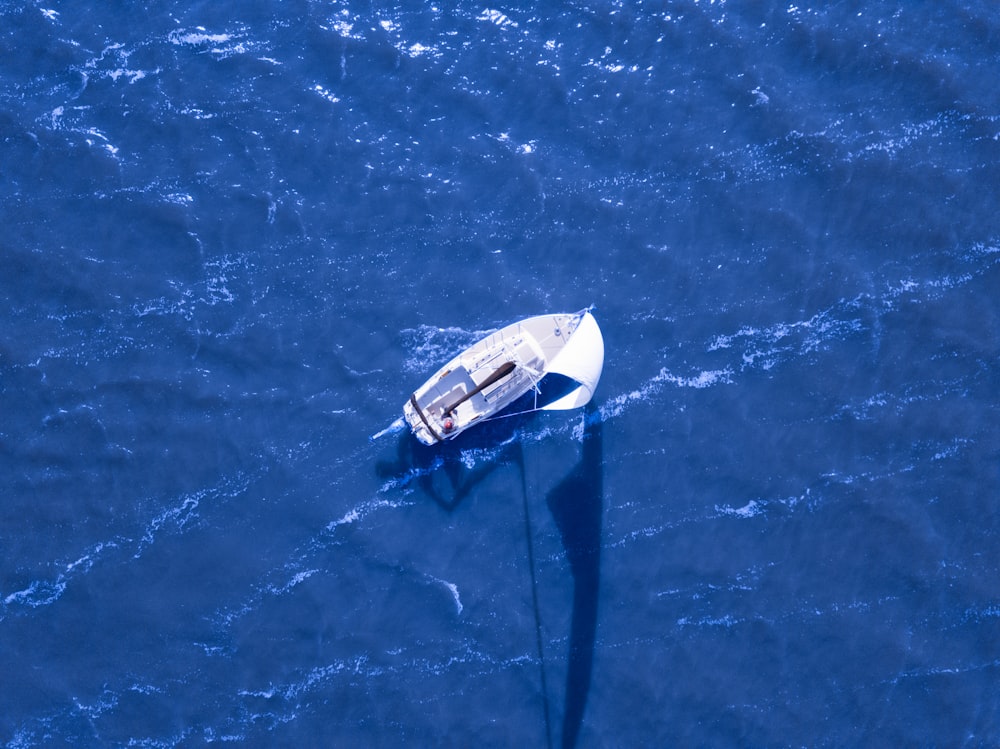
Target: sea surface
x,y
236,236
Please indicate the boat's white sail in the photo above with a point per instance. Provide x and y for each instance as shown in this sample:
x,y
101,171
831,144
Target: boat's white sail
x,y
582,360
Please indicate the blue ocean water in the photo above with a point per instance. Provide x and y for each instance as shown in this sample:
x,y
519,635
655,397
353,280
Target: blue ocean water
x,y
237,235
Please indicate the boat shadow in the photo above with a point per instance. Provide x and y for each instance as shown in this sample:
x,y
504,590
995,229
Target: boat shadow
x,y
443,472
577,507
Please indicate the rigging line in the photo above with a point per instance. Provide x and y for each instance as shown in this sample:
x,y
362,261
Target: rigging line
x,y
516,413
534,599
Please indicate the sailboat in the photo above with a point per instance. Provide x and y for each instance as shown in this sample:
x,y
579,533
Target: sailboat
x,y
486,378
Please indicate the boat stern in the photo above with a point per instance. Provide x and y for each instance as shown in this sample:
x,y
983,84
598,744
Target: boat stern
x,y
420,423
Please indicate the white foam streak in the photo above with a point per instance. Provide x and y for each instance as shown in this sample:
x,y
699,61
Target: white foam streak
x,y
298,564
296,579
363,666
361,511
703,379
452,588
496,17
198,38
964,668
750,509
722,621
220,45
764,347
180,517
45,592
